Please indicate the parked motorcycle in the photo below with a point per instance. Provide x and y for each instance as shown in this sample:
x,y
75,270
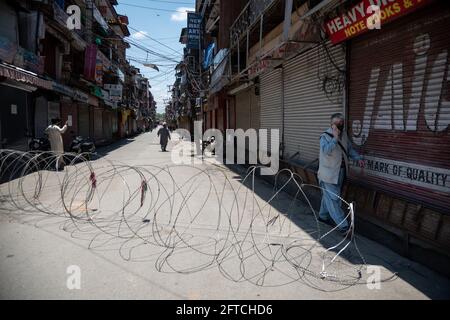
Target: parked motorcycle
x,y
42,148
39,144
82,145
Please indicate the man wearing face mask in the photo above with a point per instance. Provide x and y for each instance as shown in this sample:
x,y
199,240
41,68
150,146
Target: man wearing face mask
x,y
335,152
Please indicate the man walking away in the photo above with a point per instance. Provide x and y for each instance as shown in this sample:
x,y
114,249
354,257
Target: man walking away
x,y
335,151
164,135
54,133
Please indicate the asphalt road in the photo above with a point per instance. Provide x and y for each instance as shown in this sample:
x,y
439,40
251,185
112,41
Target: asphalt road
x,y
193,232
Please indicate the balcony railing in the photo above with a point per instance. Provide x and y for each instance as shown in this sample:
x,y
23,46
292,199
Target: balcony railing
x,y
248,17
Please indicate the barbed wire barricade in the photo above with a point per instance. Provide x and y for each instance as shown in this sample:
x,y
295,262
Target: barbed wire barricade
x,y
195,217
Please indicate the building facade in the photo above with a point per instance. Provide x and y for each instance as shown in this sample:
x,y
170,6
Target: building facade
x,y
55,63
289,65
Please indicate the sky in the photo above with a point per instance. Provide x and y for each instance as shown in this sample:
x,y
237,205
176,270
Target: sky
x,y
162,21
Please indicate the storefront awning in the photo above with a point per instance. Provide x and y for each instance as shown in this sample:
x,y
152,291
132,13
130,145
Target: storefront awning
x,y
24,76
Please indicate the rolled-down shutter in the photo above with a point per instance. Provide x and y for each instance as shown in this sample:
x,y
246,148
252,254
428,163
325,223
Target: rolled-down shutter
x,y
220,118
255,109
107,129
399,110
271,116
313,91
114,122
243,102
83,120
41,117
98,124
248,110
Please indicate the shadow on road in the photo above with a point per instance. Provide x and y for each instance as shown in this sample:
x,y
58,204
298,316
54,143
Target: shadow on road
x,y
426,281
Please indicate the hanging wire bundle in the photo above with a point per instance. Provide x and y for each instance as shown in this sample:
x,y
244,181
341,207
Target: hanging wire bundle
x,y
194,217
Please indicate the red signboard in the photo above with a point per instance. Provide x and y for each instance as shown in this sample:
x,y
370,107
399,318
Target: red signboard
x,y
124,20
90,62
363,17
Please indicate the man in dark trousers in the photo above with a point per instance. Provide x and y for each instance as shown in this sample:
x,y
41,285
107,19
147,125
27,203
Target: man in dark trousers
x,y
164,135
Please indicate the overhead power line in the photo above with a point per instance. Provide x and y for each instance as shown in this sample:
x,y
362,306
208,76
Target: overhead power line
x,y
143,48
150,8
160,43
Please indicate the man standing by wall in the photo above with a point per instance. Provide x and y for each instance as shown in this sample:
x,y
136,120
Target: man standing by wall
x,y
335,151
54,133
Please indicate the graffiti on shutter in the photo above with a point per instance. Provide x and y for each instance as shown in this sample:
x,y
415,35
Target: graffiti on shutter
x,y
399,106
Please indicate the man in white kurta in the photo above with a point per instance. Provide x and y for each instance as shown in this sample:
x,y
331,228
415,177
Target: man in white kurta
x,y
54,133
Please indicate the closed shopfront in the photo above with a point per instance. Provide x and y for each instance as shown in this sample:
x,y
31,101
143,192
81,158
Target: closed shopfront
x,y
126,130
247,109
135,125
231,113
40,116
271,104
213,118
83,120
399,108
248,115
124,123
98,125
255,109
115,124
15,117
220,114
313,91
207,119
220,102
132,125
107,125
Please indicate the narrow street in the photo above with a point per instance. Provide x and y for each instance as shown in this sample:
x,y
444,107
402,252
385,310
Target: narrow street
x,y
225,150
130,248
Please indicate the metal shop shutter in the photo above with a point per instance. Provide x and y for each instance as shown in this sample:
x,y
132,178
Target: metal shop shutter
x,y
313,91
255,109
399,109
220,118
98,124
107,125
41,116
243,102
83,120
247,110
114,122
271,103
